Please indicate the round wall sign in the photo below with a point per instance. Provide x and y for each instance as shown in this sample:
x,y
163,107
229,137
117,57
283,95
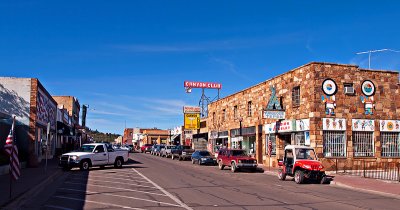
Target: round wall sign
x,y
329,87
368,88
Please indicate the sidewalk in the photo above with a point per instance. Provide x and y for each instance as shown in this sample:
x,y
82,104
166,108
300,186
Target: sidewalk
x,y
382,187
32,180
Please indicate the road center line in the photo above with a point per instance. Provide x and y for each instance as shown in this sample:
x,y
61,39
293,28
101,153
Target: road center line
x,y
97,202
117,188
122,196
183,205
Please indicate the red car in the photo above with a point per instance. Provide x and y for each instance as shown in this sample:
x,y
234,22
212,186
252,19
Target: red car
x,y
146,148
236,159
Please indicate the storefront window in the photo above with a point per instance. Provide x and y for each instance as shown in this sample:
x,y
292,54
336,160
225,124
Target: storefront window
x,y
334,143
299,138
390,144
363,144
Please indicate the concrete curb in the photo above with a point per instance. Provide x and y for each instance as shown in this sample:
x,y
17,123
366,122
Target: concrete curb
x,y
25,196
341,185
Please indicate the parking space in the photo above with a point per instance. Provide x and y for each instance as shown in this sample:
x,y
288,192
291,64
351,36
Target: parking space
x,y
110,188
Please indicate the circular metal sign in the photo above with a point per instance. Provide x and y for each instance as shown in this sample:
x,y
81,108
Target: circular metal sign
x,y
329,87
368,88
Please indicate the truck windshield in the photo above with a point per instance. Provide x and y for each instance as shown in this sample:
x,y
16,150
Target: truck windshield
x,y
305,154
238,153
86,148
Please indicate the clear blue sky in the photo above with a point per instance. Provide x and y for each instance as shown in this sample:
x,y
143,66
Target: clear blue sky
x,y
128,59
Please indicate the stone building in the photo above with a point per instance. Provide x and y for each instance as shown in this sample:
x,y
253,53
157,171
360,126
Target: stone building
x,y
155,136
342,111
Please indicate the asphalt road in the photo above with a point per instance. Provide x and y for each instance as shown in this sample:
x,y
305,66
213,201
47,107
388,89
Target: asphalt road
x,y
152,182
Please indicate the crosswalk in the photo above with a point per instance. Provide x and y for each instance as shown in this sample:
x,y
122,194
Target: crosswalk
x,y
111,188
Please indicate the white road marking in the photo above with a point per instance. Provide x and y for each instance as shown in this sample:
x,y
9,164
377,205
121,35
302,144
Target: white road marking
x,y
97,202
104,177
57,207
96,180
183,205
117,188
122,196
115,175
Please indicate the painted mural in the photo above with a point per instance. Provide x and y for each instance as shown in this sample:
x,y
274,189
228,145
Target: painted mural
x,y
389,125
334,124
329,88
15,99
362,125
303,125
368,89
46,110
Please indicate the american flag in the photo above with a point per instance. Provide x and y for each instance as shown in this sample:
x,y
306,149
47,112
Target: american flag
x,y
12,150
269,147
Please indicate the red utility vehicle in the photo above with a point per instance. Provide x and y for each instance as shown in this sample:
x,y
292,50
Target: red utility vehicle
x,y
236,159
302,163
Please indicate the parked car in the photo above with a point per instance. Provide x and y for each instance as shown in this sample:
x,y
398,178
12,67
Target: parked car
x,y
182,152
153,149
203,157
158,148
97,154
236,159
146,148
166,151
302,163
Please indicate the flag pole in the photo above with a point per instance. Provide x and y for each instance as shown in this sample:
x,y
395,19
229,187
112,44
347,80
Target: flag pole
x,y
12,151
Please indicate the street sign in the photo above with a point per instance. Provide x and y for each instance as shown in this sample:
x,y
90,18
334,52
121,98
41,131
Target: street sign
x,y
280,115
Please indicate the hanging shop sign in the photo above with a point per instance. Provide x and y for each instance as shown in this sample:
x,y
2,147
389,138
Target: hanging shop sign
x,y
281,126
362,125
368,89
274,107
333,124
192,121
303,125
191,109
329,88
389,125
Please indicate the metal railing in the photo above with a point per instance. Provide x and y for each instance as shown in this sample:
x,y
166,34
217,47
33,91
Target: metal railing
x,y
368,169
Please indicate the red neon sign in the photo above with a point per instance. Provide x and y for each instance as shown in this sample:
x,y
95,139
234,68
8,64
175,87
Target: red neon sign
x,y
211,85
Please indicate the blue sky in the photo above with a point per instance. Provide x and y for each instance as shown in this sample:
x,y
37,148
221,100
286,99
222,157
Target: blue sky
x,y
128,59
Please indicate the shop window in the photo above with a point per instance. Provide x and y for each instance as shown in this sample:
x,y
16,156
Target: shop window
x,y
296,96
299,138
272,138
363,144
235,114
390,144
334,143
249,111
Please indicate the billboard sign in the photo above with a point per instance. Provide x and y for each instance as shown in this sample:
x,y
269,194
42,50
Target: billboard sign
x,y
210,85
191,109
192,121
280,115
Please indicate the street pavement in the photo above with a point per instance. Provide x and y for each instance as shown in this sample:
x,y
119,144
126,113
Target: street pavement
x,y
152,182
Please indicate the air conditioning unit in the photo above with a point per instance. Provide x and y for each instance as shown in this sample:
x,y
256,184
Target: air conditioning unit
x,y
348,90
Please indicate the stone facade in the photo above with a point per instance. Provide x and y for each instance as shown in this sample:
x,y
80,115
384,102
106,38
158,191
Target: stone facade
x,y
309,79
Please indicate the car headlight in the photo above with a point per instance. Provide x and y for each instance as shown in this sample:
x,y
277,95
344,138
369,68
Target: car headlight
x,y
74,157
307,166
183,153
203,159
255,161
239,161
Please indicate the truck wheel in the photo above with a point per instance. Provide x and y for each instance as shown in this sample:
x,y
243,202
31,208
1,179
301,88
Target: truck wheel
x,y
299,177
220,165
84,165
233,167
118,163
180,159
281,175
193,161
172,157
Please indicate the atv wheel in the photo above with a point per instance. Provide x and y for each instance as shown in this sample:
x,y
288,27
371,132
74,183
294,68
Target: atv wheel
x,y
299,177
233,167
220,165
281,175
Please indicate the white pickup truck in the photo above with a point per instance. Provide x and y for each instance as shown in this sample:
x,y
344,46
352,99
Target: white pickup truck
x,y
97,154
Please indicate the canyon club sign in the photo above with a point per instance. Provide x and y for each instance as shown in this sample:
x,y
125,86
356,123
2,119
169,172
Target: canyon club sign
x,y
209,85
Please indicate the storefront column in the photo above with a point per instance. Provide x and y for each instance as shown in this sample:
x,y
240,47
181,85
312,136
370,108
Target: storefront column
x,y
259,144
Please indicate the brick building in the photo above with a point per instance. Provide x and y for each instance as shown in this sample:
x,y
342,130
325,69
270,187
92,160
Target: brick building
x,y
128,136
34,108
155,136
342,111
